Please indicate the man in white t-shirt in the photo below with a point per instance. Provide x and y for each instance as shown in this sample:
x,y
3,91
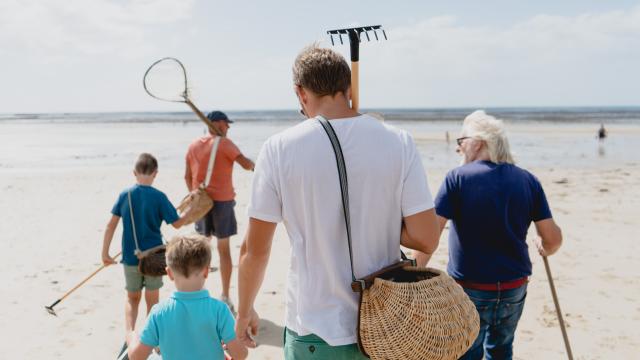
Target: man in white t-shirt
x,y
296,182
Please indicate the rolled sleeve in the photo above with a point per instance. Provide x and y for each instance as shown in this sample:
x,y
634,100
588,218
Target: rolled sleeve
x,y
265,203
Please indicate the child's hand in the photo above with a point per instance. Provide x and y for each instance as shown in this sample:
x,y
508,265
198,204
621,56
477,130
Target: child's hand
x,y
246,328
107,260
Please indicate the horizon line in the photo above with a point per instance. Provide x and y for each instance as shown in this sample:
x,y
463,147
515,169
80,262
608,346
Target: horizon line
x,y
533,107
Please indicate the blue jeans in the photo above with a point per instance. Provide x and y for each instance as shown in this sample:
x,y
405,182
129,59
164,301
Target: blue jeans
x,y
499,314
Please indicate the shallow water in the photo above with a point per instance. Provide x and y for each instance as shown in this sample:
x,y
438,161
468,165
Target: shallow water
x,y
56,144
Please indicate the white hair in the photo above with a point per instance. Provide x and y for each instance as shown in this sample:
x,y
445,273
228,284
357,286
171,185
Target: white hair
x,y
479,125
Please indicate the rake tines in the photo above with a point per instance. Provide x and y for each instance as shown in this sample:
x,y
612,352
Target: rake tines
x,y
356,31
355,38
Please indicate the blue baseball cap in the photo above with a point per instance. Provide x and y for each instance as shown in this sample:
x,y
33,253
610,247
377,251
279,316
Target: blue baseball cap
x,y
219,115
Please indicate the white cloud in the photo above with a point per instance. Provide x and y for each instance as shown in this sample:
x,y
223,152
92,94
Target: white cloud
x,y
66,28
543,60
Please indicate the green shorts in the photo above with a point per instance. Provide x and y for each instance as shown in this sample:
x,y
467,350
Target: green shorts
x,y
312,347
135,281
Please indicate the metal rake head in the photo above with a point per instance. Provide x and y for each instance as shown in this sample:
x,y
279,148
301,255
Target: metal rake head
x,y
356,33
355,37
50,310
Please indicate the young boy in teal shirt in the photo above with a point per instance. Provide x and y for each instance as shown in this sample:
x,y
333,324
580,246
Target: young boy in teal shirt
x,y
150,208
191,324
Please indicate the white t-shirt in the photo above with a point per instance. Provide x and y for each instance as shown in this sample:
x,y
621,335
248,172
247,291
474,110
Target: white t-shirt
x,y
296,182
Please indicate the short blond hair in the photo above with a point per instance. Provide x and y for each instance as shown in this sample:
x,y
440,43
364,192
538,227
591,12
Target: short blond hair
x,y
479,125
188,253
323,71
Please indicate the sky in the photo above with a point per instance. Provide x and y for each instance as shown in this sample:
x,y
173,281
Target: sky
x,y
90,55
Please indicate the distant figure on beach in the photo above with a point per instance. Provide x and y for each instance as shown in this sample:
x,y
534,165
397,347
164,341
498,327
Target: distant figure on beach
x,y
446,137
296,182
602,133
491,202
190,324
150,208
221,220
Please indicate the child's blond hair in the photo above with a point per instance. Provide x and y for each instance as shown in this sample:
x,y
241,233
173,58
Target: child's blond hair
x,y
188,253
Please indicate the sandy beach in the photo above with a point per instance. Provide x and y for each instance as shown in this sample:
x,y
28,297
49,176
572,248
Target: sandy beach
x,y
59,184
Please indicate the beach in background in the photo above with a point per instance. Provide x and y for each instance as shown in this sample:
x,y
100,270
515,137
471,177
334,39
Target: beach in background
x,y
61,173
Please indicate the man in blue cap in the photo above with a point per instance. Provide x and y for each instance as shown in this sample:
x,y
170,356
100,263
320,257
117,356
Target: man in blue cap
x,y
221,220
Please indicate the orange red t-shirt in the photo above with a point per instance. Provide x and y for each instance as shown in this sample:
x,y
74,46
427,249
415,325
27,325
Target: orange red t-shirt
x,y
221,186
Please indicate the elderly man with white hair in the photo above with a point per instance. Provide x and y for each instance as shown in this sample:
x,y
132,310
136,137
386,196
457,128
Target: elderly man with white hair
x,y
491,203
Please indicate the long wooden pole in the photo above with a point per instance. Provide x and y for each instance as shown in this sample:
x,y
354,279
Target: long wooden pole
x,y
203,118
355,88
558,311
50,307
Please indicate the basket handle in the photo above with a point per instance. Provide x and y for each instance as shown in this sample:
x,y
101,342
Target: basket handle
x,y
357,285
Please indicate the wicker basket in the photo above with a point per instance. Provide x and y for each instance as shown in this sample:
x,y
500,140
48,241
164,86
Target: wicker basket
x,y
417,313
195,206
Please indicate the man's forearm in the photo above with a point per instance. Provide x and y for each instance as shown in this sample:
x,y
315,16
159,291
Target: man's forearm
x,y
250,276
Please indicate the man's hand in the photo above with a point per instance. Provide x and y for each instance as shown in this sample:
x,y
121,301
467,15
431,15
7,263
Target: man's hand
x,y
247,327
107,260
538,242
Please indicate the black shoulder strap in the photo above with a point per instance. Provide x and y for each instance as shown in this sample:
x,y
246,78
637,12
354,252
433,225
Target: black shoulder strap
x,y
344,188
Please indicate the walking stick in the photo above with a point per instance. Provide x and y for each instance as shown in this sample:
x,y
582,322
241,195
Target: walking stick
x,y
50,307
557,304
355,37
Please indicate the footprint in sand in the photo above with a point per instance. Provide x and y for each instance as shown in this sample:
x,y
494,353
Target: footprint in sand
x,y
549,318
527,335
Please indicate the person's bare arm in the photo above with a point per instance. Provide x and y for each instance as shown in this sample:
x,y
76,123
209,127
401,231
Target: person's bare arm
x,y
237,350
106,241
422,258
137,350
178,223
254,256
421,232
245,162
187,176
550,237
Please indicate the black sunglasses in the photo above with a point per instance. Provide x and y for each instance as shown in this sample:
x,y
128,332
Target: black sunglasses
x,y
460,140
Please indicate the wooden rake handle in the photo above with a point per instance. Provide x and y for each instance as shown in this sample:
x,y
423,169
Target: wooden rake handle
x,y
558,311
86,279
203,118
355,87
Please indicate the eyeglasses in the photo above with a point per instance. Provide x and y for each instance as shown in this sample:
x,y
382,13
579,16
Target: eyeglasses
x,y
460,140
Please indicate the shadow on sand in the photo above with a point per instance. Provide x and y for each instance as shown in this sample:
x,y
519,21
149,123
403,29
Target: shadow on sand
x,y
270,333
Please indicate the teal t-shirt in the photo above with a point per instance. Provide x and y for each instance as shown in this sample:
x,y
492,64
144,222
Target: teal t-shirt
x,y
189,325
150,207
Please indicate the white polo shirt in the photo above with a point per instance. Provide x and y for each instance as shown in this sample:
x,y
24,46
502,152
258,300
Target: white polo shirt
x,y
296,182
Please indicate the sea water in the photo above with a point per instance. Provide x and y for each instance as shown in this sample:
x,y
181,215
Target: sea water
x,y
554,137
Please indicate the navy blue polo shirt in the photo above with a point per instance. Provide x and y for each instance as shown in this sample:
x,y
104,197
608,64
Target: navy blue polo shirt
x,y
490,207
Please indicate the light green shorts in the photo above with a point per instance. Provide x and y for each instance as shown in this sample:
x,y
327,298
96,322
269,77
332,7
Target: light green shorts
x,y
135,281
312,347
